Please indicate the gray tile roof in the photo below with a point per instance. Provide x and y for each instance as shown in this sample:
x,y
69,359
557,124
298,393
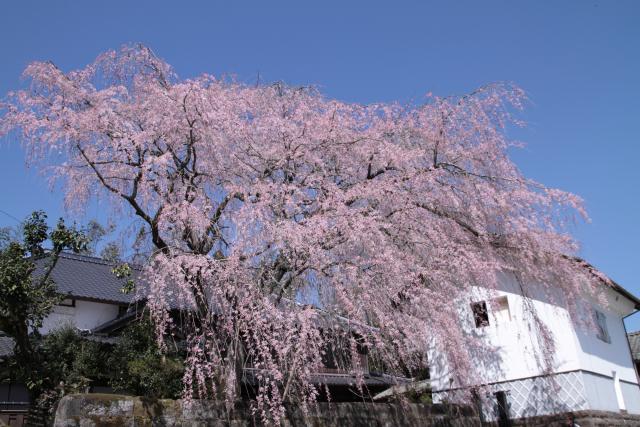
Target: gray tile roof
x,y
80,276
634,343
87,277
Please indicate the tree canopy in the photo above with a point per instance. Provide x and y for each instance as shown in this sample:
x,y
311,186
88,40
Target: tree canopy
x,y
272,211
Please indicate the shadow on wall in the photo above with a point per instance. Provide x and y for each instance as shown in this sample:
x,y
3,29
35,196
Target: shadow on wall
x,y
614,352
483,359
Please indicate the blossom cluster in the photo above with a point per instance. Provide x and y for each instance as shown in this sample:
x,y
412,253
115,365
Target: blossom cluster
x,y
286,225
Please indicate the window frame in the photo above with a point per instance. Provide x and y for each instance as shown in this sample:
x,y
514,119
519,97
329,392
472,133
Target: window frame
x,y
480,313
501,309
72,304
602,329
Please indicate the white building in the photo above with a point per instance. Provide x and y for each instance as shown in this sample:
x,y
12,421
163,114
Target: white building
x,y
93,293
592,368
93,303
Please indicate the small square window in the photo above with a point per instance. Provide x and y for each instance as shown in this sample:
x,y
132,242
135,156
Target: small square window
x,y
501,311
601,325
68,302
480,314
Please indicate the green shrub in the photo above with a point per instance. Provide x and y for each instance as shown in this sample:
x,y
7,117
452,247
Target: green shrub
x,y
138,367
72,361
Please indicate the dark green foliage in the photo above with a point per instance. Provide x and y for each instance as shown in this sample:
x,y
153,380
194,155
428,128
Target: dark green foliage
x,y
22,303
35,231
138,367
123,271
27,298
133,365
73,362
63,361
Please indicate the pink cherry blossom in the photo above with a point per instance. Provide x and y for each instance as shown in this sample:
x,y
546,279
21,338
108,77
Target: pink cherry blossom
x,y
284,223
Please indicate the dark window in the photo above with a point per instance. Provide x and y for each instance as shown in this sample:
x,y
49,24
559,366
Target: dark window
x,y
601,325
68,302
480,314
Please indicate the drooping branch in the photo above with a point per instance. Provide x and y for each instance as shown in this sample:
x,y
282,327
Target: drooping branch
x,y
257,195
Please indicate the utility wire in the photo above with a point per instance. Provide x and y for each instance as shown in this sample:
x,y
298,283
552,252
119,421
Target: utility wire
x,y
10,216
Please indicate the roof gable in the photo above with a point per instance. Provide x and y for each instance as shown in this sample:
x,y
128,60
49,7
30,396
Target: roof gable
x,y
86,277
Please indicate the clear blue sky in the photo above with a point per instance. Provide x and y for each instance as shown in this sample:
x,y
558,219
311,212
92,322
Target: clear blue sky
x,y
579,62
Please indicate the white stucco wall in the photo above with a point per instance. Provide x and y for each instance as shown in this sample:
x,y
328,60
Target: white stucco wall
x,y
605,358
516,343
631,395
600,392
517,349
85,315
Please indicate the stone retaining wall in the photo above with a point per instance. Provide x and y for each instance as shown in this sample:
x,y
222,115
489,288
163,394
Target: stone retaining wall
x,y
105,410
